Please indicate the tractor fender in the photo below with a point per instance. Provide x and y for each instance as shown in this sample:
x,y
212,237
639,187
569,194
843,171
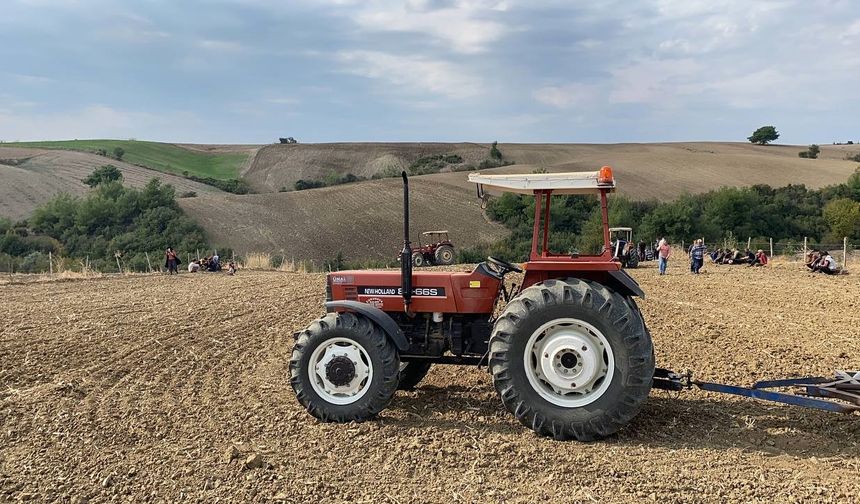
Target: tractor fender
x,y
379,317
621,282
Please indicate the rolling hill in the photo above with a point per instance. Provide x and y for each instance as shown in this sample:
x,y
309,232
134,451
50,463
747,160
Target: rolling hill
x,y
362,220
216,161
660,170
33,176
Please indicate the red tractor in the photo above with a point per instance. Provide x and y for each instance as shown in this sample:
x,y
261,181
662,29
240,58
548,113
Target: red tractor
x,y
434,248
569,352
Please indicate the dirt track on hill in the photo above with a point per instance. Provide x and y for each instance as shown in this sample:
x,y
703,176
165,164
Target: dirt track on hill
x,y
153,388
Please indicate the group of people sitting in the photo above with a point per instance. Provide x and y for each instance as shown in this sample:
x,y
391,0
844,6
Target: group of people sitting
x,y
735,256
211,263
821,261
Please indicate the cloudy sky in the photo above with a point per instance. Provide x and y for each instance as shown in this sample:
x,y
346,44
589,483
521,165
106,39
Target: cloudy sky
x,y
249,71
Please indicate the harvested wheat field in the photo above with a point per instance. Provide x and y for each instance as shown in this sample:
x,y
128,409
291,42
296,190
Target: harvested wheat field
x,y
155,388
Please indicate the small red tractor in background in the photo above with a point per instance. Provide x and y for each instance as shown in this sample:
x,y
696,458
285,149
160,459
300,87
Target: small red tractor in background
x,y
433,249
569,351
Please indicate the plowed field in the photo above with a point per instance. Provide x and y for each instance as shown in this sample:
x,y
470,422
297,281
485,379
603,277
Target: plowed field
x,y
155,388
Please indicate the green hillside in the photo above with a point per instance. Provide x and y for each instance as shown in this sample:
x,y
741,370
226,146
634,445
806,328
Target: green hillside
x,y
157,156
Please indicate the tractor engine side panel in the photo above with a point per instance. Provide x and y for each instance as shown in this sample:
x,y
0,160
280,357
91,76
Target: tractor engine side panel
x,y
441,292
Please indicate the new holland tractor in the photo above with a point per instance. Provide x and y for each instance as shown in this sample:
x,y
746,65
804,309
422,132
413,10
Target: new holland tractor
x,y
569,352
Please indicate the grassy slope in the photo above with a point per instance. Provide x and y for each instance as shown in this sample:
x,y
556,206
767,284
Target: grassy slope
x,y
159,156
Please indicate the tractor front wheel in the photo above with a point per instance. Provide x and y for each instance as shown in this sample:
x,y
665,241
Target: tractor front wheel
x,y
572,359
444,255
343,368
417,259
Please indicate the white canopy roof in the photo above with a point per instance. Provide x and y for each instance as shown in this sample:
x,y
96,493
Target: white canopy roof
x,y
558,183
443,231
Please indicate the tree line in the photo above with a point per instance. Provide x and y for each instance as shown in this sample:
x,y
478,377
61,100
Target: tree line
x,y
110,220
786,213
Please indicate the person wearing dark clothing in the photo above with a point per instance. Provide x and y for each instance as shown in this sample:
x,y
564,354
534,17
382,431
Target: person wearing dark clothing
x,y
171,261
697,256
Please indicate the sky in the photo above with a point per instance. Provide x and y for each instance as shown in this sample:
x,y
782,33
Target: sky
x,y
250,71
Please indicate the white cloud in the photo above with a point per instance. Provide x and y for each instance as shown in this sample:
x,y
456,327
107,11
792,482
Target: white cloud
x,y
655,81
464,26
30,79
412,75
567,96
226,46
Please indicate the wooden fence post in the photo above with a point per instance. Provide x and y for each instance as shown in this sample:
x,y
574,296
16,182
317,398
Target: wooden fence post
x,y
50,263
804,249
149,264
749,242
771,247
845,252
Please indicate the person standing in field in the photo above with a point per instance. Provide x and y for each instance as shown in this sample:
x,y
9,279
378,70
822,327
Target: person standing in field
x,y
663,253
697,256
171,261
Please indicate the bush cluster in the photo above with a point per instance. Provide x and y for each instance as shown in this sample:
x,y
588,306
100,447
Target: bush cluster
x,y
331,179
110,219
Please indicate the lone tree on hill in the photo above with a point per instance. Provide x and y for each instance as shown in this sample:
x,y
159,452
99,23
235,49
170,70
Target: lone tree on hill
x,y
103,175
764,135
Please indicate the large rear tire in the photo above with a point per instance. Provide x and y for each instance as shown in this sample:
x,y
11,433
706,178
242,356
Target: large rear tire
x,y
633,260
411,374
444,255
344,368
572,359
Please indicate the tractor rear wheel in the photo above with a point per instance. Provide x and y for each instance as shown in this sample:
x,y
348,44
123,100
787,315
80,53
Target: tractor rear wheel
x,y
344,368
444,255
572,359
411,374
417,259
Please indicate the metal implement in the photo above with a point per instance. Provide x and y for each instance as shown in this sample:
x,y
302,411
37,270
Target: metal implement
x,y
810,392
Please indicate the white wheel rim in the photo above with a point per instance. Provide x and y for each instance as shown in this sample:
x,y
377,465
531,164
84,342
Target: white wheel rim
x,y
323,355
569,362
446,255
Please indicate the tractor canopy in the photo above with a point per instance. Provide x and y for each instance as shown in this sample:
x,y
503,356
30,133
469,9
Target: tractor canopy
x,y
555,183
545,185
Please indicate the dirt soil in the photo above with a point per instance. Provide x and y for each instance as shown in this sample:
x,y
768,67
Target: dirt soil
x,y
154,388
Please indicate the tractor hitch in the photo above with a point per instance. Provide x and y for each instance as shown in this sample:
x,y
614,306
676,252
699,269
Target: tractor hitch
x,y
824,393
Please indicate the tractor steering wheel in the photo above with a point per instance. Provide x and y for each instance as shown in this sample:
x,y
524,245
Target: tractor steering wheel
x,y
504,266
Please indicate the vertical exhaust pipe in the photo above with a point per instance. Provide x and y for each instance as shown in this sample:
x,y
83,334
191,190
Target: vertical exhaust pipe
x,y
406,253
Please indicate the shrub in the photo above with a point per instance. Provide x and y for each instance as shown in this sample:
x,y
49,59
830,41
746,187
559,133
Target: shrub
x,y
493,163
803,154
118,153
495,153
235,186
188,194
103,175
855,157
302,184
813,151
283,189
